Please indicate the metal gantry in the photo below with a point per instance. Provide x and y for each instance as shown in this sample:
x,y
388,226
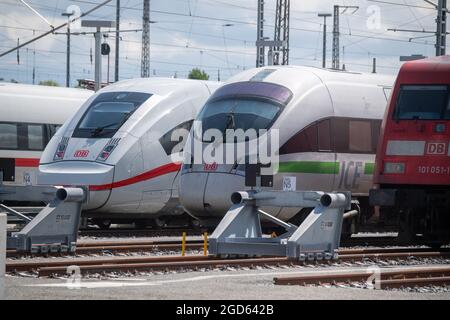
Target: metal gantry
x,y
441,27
260,49
336,33
282,33
441,33
279,46
145,57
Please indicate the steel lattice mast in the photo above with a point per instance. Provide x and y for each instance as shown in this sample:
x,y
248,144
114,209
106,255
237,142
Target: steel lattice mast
x,y
282,32
260,50
336,34
441,34
145,57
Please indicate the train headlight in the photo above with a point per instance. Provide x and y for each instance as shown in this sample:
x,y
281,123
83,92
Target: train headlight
x,y
108,149
61,149
394,167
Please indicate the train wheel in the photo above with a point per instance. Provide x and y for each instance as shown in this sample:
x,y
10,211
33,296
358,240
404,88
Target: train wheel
x,y
158,223
103,223
194,224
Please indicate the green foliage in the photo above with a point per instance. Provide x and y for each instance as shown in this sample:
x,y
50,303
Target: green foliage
x,y
198,74
50,83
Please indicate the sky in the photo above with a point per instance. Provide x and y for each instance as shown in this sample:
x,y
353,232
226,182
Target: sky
x,y
217,36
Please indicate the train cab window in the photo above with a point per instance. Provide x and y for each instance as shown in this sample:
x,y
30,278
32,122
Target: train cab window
x,y
8,136
35,137
107,113
360,136
421,102
166,140
239,113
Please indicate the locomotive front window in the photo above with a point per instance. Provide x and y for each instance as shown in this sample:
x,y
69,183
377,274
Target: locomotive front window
x,y
427,102
237,114
107,113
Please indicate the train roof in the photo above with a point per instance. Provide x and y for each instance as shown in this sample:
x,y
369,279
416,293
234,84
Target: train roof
x,y
432,70
292,76
39,104
156,85
31,89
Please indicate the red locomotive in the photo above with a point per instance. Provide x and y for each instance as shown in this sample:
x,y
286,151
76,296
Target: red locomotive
x,y
412,171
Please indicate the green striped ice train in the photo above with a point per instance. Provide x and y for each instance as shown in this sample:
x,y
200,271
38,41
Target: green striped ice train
x,y
327,121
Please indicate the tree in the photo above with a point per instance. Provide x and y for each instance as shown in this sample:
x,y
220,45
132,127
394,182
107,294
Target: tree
x,y
198,74
50,83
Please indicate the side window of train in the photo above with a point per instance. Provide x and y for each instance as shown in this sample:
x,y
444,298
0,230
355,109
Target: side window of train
x,y
324,135
166,139
52,129
376,130
305,140
36,136
356,135
9,136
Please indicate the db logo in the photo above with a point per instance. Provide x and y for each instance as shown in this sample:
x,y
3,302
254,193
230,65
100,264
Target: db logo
x,y
210,167
436,148
81,153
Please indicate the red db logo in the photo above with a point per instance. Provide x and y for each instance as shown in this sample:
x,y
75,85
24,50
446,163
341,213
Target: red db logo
x,y
81,153
436,148
210,167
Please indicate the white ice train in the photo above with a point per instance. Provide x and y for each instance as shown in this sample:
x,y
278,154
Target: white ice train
x,y
118,146
29,116
328,123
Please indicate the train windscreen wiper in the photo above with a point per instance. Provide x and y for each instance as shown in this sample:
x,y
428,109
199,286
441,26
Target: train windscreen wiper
x,y
98,130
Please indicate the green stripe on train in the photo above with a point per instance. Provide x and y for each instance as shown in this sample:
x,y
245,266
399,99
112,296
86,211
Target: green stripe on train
x,y
369,168
309,167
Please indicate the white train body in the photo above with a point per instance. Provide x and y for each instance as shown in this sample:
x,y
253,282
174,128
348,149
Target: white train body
x,y
328,123
30,116
118,146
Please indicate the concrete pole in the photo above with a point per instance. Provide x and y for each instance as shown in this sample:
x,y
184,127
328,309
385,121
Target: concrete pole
x,y
98,59
324,52
68,56
3,222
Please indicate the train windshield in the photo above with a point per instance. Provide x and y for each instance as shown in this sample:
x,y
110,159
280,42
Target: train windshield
x,y
427,102
107,113
237,113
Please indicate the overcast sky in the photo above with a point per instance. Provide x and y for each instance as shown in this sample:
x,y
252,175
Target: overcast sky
x,y
212,35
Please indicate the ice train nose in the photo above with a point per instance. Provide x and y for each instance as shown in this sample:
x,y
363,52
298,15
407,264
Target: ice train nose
x,y
208,195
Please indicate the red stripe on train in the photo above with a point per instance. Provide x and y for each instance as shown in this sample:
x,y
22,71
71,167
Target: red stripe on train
x,y
159,171
27,162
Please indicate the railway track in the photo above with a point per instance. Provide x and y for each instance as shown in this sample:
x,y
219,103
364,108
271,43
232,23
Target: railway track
x,y
132,232
396,278
117,246
101,247
192,262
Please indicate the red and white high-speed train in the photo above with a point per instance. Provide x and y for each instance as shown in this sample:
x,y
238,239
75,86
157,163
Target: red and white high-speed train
x,y
30,116
119,147
412,173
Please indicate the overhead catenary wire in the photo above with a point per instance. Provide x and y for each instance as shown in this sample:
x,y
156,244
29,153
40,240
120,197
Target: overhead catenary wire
x,y
53,29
